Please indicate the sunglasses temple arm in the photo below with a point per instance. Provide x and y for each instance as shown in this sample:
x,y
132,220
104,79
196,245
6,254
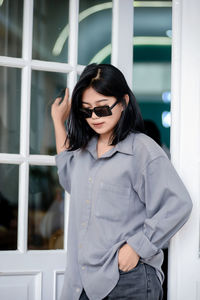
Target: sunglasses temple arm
x,y
114,104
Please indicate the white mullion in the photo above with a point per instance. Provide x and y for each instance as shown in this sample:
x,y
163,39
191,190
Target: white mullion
x,y
44,160
23,207
50,66
12,62
27,30
71,79
80,69
122,37
48,160
35,64
176,84
25,125
6,158
73,42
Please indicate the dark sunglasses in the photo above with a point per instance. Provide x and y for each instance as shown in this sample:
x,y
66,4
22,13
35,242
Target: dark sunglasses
x,y
100,111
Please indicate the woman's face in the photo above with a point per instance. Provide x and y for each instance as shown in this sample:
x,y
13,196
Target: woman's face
x,y
102,125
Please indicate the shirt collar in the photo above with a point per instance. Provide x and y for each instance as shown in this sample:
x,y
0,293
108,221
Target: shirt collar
x,y
91,145
125,146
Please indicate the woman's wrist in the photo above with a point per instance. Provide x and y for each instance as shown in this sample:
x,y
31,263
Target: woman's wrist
x,y
58,123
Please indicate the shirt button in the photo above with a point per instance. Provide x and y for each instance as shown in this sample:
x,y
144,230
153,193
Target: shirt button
x,y
90,179
87,201
80,245
83,224
77,290
83,268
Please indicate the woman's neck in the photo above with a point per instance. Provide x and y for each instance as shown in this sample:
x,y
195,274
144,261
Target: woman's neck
x,y
103,146
104,140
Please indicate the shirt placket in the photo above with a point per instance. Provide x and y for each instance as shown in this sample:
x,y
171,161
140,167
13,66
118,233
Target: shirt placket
x,y
86,214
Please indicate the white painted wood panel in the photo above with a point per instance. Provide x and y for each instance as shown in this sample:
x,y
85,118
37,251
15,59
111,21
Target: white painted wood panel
x,y
122,38
41,272
23,286
58,283
184,263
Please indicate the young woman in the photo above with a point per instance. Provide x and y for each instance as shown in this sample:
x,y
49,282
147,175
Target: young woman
x,y
127,200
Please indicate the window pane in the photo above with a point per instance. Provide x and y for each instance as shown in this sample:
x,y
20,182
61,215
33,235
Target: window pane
x,y
9,175
95,25
10,93
152,75
11,17
46,209
50,30
152,69
45,87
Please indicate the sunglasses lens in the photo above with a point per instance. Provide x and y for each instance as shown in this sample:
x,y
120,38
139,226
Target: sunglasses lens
x,y
86,113
102,111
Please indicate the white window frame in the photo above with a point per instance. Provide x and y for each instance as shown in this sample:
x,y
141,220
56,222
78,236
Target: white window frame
x,y
16,263
122,57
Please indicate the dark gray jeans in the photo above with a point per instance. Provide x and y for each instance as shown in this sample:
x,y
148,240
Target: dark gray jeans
x,y
140,283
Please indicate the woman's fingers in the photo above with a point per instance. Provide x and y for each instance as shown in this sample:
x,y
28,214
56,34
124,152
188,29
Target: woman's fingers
x,y
61,107
66,100
57,101
66,93
66,97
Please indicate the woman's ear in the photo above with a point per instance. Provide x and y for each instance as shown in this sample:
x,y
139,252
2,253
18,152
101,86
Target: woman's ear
x,y
126,101
126,97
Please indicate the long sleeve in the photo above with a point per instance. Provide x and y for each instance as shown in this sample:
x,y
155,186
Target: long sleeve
x,y
65,162
168,206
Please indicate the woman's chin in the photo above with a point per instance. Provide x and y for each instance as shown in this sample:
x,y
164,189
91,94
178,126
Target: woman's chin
x,y
100,130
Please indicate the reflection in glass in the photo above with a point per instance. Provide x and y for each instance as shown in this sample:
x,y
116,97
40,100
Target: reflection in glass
x,y
50,37
151,77
95,25
10,93
45,88
9,175
152,66
11,17
46,209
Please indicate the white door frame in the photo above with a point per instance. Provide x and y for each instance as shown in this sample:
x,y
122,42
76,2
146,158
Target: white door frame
x,y
184,274
184,264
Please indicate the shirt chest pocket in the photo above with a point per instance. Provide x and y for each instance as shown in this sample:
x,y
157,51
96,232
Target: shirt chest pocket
x,y
112,202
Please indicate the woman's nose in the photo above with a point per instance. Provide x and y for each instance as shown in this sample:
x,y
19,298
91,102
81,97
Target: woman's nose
x,y
94,116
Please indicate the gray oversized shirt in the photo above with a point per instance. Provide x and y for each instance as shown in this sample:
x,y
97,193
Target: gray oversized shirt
x,y
131,194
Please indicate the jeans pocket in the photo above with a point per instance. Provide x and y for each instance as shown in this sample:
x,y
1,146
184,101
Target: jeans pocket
x,y
154,286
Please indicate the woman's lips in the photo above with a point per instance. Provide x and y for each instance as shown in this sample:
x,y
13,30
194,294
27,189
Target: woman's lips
x,y
98,124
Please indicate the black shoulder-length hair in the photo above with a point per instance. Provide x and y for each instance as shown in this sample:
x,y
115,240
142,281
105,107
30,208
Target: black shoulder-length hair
x,y
108,81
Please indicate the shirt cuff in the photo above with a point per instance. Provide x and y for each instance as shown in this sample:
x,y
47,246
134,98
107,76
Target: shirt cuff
x,y
142,246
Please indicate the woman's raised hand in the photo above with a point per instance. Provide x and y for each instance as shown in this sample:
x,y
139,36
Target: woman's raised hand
x,y
60,110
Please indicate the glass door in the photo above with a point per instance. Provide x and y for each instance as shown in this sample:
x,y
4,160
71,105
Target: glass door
x,y
44,48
